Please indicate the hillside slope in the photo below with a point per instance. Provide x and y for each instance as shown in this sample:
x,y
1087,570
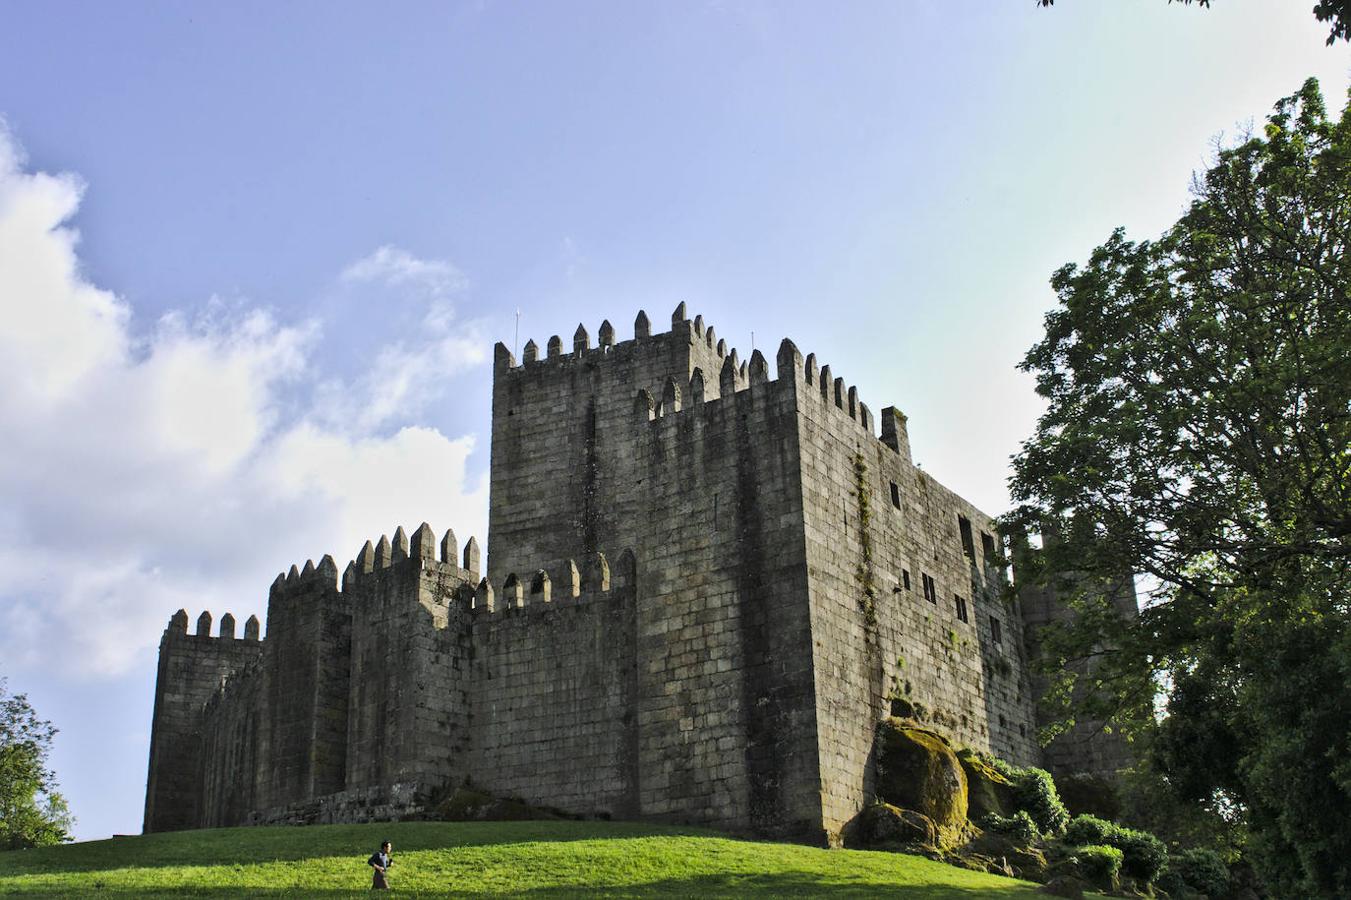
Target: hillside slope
x,y
539,859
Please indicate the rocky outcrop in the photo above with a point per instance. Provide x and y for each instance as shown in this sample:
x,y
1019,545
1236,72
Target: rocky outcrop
x,y
987,790
917,769
886,827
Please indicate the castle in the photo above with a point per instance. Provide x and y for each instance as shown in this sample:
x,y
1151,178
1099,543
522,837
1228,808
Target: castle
x,y
706,583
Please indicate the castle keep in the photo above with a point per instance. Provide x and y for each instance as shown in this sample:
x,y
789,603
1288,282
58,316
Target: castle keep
x,y
707,580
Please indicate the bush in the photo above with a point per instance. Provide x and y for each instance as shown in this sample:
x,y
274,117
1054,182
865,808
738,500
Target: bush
x,y
1144,854
1019,826
1034,792
1098,864
1089,830
1199,870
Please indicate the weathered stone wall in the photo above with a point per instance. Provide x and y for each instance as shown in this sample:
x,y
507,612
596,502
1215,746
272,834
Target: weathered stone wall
x,y
408,708
307,654
563,463
669,445
553,685
877,530
385,803
233,776
191,670
727,715
357,706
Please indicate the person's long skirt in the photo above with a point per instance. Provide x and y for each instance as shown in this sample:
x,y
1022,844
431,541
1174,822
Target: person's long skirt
x,y
378,883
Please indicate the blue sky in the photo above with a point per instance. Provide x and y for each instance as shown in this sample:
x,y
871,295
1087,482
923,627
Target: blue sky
x,y
253,257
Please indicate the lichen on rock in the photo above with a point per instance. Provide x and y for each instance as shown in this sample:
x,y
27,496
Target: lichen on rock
x,y
987,790
918,769
882,826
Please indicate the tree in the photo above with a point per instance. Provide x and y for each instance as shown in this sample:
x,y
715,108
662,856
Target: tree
x,y
1338,12
1198,431
32,812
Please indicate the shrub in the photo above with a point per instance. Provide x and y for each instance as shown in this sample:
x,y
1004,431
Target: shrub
x,y
1200,870
1034,792
1089,830
1099,864
1144,854
1019,826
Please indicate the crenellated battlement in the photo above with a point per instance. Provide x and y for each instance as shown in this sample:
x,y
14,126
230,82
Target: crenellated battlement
x,y
692,397
793,372
821,383
421,552
178,627
557,585
561,583
683,332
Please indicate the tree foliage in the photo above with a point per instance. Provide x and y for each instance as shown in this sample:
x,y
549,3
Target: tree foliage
x,y
1198,431
1335,12
32,812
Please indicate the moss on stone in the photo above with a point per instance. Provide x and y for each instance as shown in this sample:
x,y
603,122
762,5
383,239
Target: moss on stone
x,y
988,791
882,826
918,769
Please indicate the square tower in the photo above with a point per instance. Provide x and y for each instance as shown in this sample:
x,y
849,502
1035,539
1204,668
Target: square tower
x,y
796,575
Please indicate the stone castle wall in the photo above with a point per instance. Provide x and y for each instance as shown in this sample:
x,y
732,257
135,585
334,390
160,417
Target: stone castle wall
x,y
553,689
728,667
728,727
407,705
888,563
192,668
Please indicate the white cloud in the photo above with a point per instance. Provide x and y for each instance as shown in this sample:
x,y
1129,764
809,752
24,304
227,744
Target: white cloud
x,y
58,329
374,482
411,369
184,466
399,268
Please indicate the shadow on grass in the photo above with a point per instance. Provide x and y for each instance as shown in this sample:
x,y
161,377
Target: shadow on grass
x,y
703,886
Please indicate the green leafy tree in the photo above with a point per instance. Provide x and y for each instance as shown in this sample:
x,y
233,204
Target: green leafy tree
x,y
1336,12
32,812
1198,432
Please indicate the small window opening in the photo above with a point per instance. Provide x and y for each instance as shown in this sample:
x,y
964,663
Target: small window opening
x,y
996,631
987,547
895,495
961,608
968,544
905,578
930,591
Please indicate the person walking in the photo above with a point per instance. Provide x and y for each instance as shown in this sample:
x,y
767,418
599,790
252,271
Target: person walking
x,y
380,861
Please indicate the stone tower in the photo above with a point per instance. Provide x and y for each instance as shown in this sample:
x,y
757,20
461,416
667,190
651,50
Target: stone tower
x,y
778,537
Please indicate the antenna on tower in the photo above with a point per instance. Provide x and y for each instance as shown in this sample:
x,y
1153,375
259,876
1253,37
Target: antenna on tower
x,y
516,341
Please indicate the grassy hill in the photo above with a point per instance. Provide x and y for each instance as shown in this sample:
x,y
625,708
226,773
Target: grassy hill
x,y
538,859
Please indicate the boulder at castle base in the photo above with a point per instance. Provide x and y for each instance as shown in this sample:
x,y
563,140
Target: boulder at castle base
x,y
882,826
917,769
987,791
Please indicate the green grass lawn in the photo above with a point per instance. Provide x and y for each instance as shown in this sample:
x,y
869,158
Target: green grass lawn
x,y
537,859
